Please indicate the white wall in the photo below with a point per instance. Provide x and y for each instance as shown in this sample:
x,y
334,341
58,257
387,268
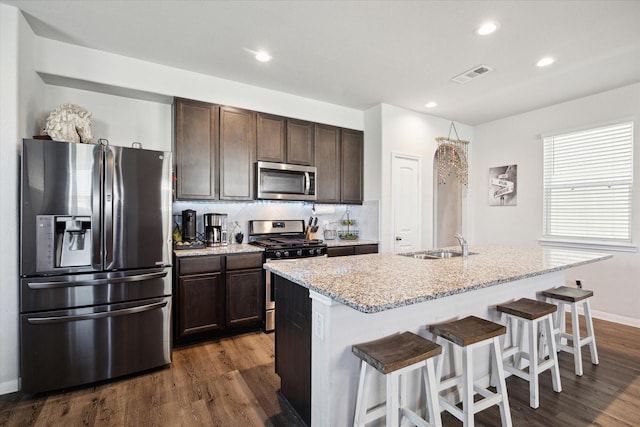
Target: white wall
x,y
20,90
120,120
517,140
410,133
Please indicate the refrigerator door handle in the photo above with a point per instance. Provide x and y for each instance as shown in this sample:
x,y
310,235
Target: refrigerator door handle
x,y
109,201
97,282
96,208
123,312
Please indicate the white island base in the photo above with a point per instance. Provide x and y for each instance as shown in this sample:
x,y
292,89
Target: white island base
x,y
336,327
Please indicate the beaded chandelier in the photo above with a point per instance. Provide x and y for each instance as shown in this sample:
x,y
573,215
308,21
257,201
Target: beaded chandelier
x,y
451,158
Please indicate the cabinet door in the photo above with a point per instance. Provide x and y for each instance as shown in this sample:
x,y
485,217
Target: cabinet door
x,y
270,135
196,150
300,142
244,297
200,303
327,154
352,153
237,153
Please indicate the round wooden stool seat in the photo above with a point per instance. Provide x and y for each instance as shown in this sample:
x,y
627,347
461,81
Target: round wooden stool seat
x,y
566,293
529,309
397,351
468,331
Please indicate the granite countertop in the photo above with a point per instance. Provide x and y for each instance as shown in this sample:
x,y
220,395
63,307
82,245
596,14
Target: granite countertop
x,y
219,250
377,282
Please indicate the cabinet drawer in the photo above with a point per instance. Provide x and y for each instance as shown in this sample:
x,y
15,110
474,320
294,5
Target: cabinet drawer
x,y
200,264
243,262
366,249
340,251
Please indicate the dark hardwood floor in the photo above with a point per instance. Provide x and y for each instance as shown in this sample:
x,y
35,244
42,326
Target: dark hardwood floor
x,y
231,382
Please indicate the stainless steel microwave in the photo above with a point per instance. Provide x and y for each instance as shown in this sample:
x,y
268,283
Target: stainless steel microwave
x,y
283,181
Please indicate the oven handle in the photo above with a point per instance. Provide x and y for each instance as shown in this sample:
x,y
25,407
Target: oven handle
x,y
123,312
96,282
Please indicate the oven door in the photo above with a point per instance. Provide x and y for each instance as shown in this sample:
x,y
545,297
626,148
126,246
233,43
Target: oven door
x,y
270,295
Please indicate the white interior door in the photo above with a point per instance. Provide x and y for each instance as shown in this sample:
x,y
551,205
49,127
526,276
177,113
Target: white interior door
x,y
406,196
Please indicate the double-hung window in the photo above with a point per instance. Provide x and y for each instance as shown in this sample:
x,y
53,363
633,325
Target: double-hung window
x,y
588,181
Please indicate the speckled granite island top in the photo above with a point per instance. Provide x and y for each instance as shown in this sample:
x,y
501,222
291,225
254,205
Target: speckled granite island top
x,y
378,282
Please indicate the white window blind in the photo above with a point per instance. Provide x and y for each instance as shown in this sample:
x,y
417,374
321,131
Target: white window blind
x,y
588,178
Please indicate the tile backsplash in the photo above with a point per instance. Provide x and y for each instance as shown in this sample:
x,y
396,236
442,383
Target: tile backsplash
x,y
329,216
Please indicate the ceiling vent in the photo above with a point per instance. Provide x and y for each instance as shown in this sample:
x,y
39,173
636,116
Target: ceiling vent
x,y
472,74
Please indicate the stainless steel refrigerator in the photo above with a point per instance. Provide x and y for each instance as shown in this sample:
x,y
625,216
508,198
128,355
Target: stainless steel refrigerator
x,y
95,263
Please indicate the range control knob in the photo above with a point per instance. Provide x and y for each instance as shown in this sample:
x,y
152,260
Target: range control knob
x,y
286,253
278,254
319,251
299,252
311,251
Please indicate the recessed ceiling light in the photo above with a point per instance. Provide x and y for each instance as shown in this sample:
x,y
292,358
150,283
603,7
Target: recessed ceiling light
x,y
487,28
546,61
263,56
431,104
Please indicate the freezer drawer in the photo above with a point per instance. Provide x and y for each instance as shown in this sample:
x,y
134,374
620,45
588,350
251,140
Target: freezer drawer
x,y
66,348
79,290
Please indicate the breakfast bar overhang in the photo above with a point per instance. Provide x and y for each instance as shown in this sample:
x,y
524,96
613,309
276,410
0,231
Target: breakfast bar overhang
x,y
361,298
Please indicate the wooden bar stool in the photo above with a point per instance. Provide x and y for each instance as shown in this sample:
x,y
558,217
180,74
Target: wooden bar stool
x,y
530,313
393,356
468,334
572,296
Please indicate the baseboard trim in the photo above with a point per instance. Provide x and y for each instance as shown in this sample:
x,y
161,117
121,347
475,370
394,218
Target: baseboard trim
x,y
615,318
10,386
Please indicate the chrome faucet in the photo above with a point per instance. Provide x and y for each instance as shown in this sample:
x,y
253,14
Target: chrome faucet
x,y
463,245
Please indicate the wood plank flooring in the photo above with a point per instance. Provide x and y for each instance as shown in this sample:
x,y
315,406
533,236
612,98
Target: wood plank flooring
x,y
231,382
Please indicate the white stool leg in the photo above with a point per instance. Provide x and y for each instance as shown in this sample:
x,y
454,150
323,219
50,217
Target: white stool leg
x,y
467,386
555,373
361,406
561,326
589,321
501,387
575,332
393,408
534,397
431,387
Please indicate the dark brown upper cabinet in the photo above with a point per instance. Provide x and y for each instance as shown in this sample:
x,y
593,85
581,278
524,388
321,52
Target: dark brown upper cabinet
x,y
284,140
196,150
340,164
327,148
352,166
237,153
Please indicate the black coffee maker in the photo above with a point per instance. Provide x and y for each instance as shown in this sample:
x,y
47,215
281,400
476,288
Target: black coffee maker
x,y
189,225
215,229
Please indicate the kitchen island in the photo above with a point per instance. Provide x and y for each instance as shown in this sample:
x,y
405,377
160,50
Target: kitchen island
x,y
334,303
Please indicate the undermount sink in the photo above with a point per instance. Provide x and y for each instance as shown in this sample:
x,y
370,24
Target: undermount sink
x,y
435,254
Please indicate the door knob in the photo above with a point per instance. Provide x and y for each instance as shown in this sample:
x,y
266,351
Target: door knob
x,y
398,238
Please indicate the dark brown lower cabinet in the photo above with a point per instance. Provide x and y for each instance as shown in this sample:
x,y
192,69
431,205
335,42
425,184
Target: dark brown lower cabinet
x,y
217,295
293,345
352,250
243,297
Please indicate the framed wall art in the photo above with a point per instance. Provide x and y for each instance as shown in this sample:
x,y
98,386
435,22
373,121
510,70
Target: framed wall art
x,y
503,186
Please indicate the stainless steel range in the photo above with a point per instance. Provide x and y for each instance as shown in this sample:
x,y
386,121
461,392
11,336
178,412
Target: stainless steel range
x,y
282,241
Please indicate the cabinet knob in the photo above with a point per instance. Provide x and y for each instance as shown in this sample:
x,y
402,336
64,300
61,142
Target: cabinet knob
x,y
398,238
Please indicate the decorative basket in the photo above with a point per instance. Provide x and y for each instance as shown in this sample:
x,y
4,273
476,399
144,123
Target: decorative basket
x,y
348,234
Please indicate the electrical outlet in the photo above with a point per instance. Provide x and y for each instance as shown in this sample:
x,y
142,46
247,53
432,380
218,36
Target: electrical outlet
x,y
318,325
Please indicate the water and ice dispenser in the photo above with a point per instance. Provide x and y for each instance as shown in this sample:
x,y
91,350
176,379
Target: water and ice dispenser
x,y
63,241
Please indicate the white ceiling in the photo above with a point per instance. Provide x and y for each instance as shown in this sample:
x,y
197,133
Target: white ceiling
x,y
362,53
